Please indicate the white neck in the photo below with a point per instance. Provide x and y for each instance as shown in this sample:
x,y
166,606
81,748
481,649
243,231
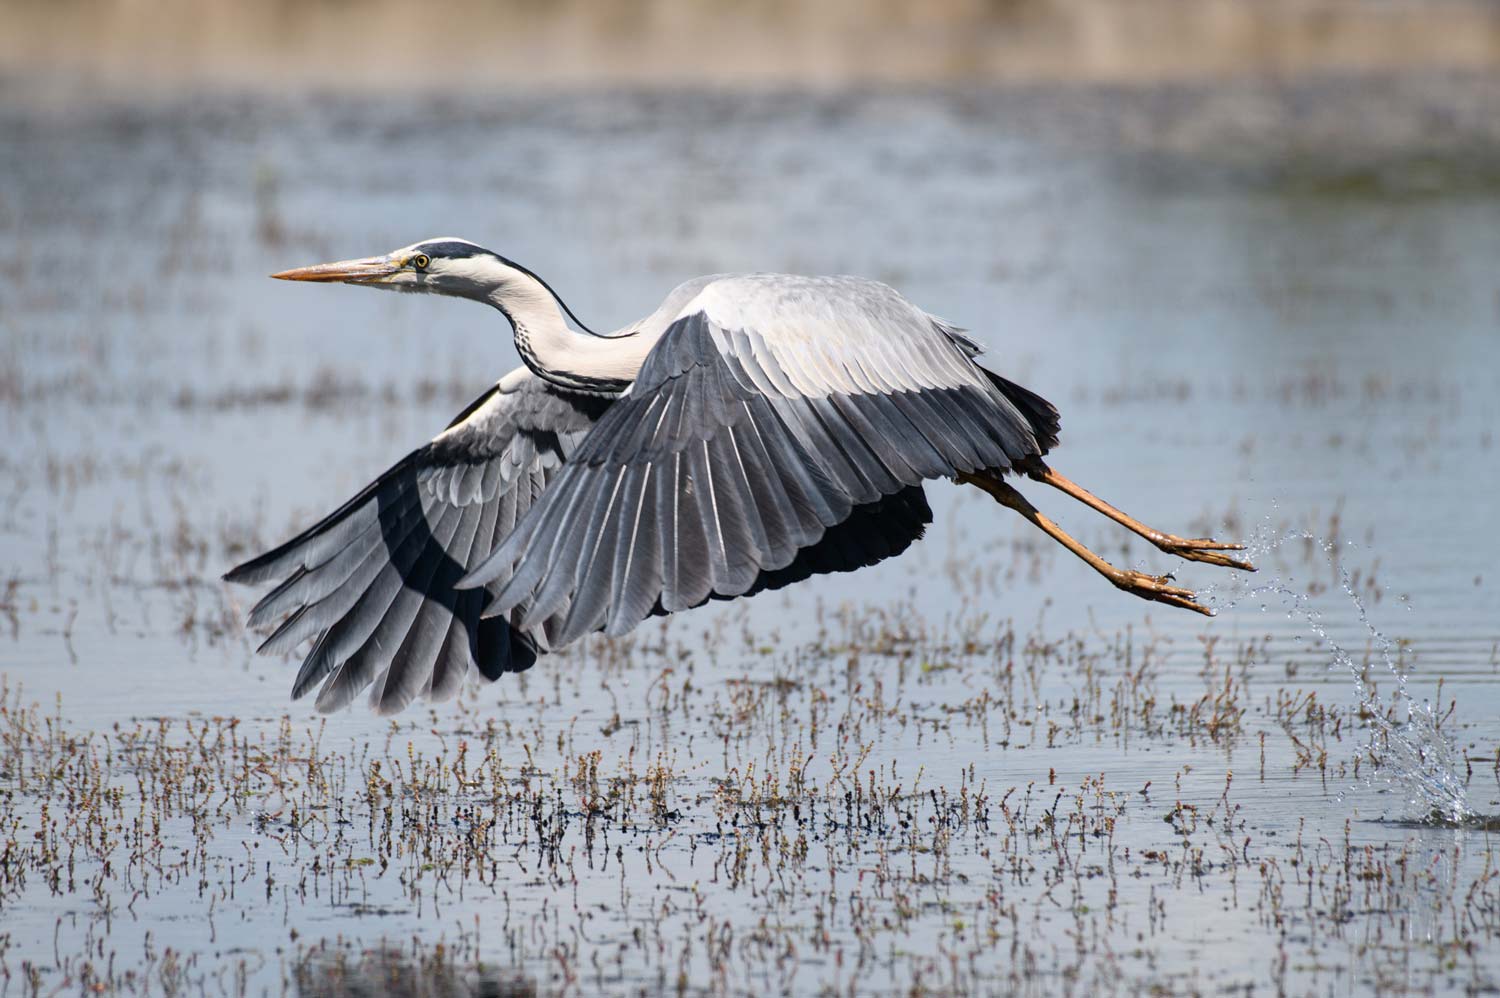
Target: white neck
x,y
549,345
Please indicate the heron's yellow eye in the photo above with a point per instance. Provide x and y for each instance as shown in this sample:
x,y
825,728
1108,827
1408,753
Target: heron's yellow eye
x,y
420,261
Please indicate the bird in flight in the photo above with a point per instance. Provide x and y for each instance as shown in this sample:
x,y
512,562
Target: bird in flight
x,y
751,432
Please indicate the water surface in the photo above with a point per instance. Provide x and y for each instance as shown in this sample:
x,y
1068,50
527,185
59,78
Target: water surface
x,y
975,768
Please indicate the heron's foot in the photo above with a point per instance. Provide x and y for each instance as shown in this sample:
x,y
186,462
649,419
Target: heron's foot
x,y
1204,549
1157,588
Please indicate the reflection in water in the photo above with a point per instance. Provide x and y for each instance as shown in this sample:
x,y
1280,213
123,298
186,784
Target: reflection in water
x,y
395,972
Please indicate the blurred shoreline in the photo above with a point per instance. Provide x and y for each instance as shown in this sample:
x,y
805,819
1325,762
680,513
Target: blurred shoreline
x,y
1364,135
80,49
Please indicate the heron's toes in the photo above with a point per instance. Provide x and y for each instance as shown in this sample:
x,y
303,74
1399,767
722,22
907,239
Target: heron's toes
x,y
1206,550
1207,544
1212,557
1159,588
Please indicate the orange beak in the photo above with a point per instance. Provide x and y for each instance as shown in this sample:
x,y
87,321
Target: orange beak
x,y
367,270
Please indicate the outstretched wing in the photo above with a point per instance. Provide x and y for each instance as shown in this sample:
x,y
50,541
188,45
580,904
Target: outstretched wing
x,y
770,409
374,582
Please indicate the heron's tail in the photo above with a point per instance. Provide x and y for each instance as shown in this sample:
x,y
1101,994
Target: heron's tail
x,y
1045,422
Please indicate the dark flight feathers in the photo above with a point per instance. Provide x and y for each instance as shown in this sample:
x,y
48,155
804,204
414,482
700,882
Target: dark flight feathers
x,y
373,583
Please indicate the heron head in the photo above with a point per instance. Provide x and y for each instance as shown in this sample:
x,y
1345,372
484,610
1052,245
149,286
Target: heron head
x,y
440,266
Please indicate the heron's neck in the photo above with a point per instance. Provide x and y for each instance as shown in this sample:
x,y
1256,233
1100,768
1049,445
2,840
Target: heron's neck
x,y
553,348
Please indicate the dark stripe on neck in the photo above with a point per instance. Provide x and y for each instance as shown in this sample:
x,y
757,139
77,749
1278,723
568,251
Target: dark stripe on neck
x,y
572,381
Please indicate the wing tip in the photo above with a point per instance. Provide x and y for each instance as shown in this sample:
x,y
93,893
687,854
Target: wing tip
x,y
386,705
331,699
247,572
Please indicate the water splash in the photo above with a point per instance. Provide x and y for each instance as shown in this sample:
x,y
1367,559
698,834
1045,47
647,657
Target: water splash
x,y
1407,749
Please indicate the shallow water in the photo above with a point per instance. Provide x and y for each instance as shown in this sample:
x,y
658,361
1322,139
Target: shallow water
x,y
976,768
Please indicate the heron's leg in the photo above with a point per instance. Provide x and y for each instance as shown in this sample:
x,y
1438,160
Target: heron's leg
x,y
1204,549
1151,587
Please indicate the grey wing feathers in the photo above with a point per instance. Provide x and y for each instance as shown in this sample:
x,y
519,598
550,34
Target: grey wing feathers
x,y
1042,415
373,584
744,439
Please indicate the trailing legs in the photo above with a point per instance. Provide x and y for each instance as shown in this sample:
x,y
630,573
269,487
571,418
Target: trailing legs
x,y
1158,588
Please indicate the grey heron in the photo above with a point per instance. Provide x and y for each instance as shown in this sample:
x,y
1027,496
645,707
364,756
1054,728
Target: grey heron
x,y
752,431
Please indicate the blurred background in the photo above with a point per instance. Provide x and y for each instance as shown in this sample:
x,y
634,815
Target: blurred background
x,y
1249,248
391,45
